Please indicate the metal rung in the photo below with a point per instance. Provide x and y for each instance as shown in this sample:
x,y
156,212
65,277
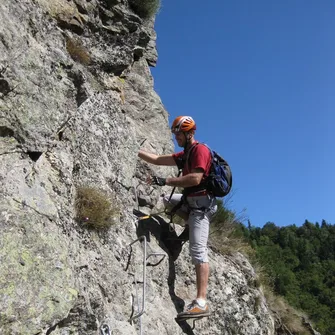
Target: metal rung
x,y
145,258
156,254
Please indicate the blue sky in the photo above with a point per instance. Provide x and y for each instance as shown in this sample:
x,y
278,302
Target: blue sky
x,y
258,77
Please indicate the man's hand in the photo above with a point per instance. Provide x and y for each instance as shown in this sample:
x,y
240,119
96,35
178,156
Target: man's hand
x,y
158,181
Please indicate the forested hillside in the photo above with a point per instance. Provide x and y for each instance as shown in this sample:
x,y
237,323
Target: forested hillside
x,y
301,263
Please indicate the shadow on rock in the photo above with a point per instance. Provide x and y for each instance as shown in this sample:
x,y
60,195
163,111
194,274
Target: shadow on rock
x,y
166,237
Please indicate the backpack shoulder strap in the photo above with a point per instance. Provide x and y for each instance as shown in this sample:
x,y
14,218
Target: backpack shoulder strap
x,y
210,150
193,146
184,159
188,153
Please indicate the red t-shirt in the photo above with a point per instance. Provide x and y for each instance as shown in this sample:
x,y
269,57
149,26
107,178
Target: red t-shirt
x,y
199,158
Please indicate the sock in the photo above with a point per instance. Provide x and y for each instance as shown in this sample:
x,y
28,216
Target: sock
x,y
201,302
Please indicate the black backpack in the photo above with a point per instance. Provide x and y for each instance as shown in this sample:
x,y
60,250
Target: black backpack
x,y
220,179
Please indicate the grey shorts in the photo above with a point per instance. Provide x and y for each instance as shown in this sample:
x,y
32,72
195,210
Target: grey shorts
x,y
199,211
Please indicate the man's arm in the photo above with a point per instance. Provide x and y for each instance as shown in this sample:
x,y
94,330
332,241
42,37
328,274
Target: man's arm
x,y
192,179
149,157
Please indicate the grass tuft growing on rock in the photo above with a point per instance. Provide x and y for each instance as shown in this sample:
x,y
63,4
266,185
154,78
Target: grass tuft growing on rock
x,y
94,208
77,51
224,235
145,8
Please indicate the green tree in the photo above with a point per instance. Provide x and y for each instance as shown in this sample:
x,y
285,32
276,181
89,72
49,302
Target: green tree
x,y
301,263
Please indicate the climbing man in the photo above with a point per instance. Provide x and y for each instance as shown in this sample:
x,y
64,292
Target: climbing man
x,y
196,205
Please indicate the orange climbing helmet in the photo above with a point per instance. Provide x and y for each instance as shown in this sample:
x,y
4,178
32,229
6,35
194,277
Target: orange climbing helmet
x,y
183,123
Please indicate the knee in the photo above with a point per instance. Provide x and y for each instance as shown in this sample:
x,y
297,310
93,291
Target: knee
x,y
199,254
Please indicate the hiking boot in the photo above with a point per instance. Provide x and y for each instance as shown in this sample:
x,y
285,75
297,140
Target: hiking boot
x,y
193,310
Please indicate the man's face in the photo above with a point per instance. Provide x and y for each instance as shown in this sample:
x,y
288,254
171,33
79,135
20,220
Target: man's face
x,y
180,138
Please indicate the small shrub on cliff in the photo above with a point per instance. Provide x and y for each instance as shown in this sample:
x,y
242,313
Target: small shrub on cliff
x,y
224,231
94,208
145,8
77,51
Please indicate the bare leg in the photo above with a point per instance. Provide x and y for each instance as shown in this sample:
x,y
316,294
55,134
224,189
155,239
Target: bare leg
x,y
202,273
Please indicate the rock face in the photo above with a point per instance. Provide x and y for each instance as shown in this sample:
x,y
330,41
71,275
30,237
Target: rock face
x,y
76,104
